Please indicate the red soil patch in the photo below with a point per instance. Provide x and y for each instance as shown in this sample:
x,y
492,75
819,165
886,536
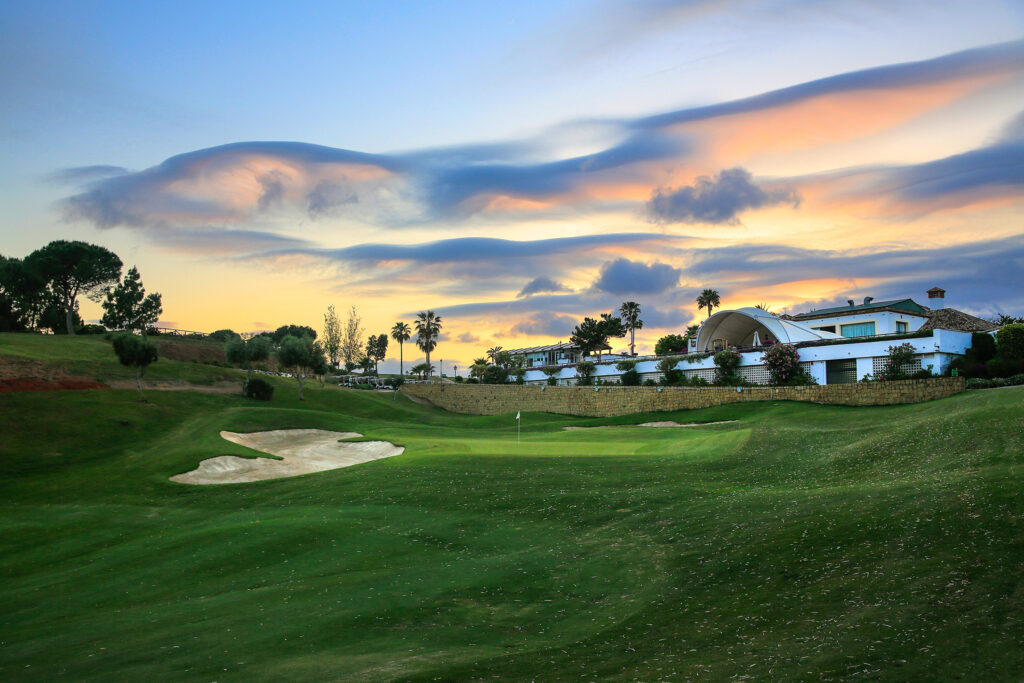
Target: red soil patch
x,y
36,384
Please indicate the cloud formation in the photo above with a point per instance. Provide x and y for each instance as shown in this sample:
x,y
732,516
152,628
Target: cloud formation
x,y
717,201
236,183
623,276
542,284
546,324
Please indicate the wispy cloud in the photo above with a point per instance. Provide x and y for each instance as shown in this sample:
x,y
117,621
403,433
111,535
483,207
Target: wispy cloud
x,y
234,184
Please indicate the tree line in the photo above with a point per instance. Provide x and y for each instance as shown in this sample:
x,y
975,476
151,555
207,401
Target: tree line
x,y
42,290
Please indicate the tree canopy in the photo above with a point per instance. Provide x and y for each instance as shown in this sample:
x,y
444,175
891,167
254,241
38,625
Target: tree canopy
x,y
401,334
128,307
709,299
630,312
294,331
670,343
332,335
428,329
135,351
301,358
69,269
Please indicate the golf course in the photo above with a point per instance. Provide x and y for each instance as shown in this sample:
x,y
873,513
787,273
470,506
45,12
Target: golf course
x,y
768,541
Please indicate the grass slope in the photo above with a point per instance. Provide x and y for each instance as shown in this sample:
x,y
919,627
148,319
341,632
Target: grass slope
x,y
92,356
799,542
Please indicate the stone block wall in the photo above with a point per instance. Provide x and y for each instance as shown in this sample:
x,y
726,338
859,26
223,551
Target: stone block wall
x,y
490,399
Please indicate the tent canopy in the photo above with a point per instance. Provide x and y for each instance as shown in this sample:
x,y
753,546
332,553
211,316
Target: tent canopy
x,y
751,327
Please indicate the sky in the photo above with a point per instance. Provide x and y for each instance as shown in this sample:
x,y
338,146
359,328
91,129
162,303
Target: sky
x,y
515,167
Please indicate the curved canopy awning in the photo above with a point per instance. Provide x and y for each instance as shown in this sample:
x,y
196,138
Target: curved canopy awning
x,y
751,327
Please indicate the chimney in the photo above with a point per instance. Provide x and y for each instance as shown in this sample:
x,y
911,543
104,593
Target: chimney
x,y
850,301
868,299
936,298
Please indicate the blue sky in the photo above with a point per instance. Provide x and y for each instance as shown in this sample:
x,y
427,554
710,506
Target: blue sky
x,y
660,135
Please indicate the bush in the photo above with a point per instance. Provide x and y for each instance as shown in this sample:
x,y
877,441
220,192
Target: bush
x,y
630,378
552,381
397,382
650,382
495,374
224,335
92,329
783,362
900,357
259,389
673,378
983,347
1010,342
1000,366
585,370
670,343
981,383
726,364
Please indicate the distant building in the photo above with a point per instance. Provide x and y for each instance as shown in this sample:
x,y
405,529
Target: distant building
x,y
836,345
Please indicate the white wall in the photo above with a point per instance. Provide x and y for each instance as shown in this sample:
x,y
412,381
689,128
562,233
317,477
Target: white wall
x,y
938,350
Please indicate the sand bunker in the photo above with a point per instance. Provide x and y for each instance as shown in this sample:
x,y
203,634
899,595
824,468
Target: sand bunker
x,y
303,451
665,423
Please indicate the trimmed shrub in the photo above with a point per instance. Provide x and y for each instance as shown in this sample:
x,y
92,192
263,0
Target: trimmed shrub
x,y
585,371
630,378
259,389
726,364
981,383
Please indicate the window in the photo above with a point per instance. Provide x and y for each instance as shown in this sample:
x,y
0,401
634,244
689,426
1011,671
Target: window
x,y
902,327
858,329
719,344
826,328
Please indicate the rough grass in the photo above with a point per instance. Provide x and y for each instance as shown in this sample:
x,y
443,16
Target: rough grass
x,y
92,356
799,542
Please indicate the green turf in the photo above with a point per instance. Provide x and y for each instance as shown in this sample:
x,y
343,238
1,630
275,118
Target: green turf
x,y
92,356
799,542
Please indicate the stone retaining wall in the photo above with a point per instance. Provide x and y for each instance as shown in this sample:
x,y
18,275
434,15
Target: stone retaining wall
x,y
490,399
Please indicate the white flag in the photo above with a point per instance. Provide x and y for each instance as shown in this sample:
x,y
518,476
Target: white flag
x,y
517,414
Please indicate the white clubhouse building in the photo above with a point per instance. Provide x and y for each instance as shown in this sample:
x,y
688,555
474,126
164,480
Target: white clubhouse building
x,y
836,345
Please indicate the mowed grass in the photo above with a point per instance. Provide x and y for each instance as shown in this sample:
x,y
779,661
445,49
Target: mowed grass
x,y
798,542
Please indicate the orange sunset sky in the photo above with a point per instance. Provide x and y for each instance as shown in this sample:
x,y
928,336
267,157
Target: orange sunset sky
x,y
515,168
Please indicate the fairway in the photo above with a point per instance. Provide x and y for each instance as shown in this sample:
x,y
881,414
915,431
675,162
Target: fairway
x,y
789,541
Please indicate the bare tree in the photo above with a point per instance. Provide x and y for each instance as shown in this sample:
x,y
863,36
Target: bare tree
x,y
352,340
332,334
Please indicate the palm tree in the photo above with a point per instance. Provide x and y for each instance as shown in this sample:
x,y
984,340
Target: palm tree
x,y
478,367
763,306
400,333
428,327
709,300
630,312
493,352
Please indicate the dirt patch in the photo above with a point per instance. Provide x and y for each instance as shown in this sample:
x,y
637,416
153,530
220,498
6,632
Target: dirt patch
x,y
302,451
664,423
15,384
22,374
